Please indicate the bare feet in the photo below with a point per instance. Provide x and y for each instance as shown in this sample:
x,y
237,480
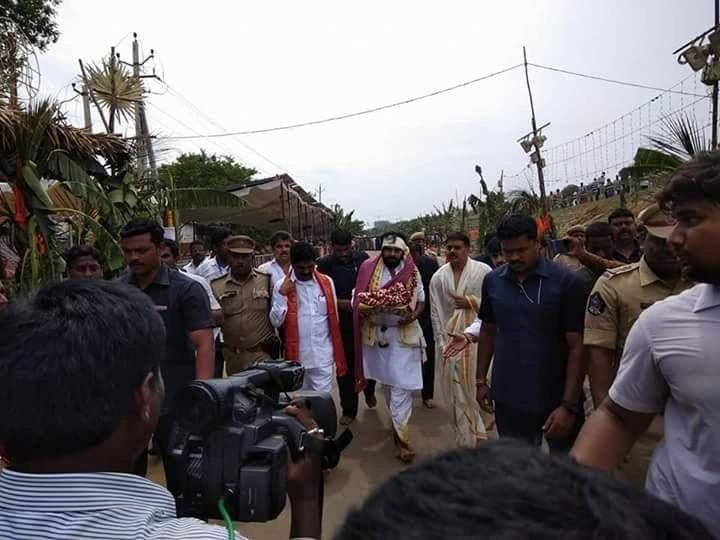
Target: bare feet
x,y
346,420
429,403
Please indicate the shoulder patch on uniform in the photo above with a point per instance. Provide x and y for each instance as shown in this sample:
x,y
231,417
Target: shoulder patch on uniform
x,y
622,269
596,304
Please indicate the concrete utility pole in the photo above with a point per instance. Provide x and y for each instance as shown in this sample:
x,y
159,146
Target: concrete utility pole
x,y
145,152
539,161
320,190
87,117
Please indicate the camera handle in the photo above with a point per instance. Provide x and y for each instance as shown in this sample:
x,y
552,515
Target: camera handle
x,y
292,431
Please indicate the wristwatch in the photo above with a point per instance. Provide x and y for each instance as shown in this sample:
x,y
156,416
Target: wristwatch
x,y
572,406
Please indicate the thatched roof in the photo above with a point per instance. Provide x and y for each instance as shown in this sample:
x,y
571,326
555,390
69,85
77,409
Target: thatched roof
x,y
60,135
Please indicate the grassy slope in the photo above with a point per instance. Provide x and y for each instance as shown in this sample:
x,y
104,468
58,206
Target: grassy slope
x,y
586,213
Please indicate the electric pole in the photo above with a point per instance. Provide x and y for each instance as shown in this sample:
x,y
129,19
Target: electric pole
x,y
320,190
536,143
145,153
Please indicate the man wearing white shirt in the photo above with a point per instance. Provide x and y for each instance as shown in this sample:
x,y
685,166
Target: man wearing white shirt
x,y
279,267
198,254
389,297
218,265
169,255
305,305
213,268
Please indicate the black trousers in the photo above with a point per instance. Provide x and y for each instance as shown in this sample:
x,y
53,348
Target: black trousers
x,y
428,368
346,383
162,436
526,426
219,360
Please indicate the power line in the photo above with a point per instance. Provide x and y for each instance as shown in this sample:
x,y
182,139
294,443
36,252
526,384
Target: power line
x,y
353,114
614,81
207,118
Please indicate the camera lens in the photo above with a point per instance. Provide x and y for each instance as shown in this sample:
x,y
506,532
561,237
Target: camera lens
x,y
198,408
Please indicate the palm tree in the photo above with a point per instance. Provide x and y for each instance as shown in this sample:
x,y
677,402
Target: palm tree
x,y
680,139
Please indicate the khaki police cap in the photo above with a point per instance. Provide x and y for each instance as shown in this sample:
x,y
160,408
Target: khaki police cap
x,y
417,236
242,245
656,221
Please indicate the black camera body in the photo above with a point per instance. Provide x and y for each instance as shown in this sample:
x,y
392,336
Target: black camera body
x,y
232,437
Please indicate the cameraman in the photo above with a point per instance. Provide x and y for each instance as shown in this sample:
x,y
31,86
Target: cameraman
x,y
80,395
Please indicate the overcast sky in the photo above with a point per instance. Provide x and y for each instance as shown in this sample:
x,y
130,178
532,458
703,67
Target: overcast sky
x,y
249,65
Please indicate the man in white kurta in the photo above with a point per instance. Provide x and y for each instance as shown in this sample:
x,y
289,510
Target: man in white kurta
x,y
314,315
456,290
393,346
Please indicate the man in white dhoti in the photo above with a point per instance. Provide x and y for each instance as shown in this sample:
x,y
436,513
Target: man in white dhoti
x,y
456,290
388,299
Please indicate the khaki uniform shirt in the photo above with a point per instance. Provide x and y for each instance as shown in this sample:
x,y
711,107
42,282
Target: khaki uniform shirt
x,y
246,311
618,298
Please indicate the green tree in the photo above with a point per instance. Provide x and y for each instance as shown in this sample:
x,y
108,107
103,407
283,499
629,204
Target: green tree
x,y
204,170
346,222
36,19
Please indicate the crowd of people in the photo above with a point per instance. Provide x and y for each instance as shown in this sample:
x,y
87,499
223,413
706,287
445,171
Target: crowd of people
x,y
604,351
601,187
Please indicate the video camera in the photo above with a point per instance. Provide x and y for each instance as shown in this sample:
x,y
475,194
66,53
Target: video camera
x,y
232,436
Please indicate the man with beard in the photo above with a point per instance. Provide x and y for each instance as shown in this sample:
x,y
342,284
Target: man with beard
x,y
627,249
389,343
218,265
184,307
342,266
279,267
198,254
670,362
304,304
455,292
532,321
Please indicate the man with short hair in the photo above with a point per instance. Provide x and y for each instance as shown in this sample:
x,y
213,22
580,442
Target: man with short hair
x,y
616,302
509,491
389,343
455,293
342,266
83,261
198,254
305,305
279,267
245,296
670,362
216,266
627,249
427,266
599,242
169,255
570,261
81,394
420,238
532,319
185,310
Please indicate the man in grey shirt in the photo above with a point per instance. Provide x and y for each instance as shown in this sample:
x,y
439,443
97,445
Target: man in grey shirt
x,y
670,363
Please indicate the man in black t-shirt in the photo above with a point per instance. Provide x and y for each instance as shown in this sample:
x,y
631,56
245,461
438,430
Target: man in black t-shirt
x,y
342,266
427,266
184,307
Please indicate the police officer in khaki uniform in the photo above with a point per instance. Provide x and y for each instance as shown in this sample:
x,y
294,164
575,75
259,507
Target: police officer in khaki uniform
x,y
244,294
615,303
